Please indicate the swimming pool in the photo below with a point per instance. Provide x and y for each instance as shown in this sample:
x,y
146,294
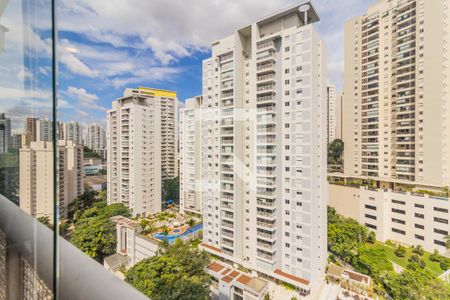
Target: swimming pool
x,y
172,237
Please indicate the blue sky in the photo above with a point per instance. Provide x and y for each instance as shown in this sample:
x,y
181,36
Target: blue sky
x,y
105,46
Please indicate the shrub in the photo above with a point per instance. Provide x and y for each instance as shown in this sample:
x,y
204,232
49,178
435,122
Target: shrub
x,y
445,265
400,251
418,250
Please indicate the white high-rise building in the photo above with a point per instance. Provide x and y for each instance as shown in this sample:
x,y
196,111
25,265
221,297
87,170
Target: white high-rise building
x,y
134,153
44,130
191,156
36,177
96,139
264,185
5,133
397,92
331,112
73,131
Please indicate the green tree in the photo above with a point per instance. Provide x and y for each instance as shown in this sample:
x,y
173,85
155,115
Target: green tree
x,y
95,233
171,190
176,274
82,203
335,150
46,221
9,176
447,241
418,250
191,222
400,251
89,153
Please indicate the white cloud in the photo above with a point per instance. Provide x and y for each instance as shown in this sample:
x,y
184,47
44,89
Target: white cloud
x,y
85,99
24,74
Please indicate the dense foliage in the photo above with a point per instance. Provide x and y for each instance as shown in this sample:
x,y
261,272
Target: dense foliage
x,y
89,153
335,150
9,176
350,242
171,190
177,273
95,233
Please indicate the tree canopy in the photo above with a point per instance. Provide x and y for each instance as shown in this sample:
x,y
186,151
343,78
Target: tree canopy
x,y
335,150
176,274
171,190
95,233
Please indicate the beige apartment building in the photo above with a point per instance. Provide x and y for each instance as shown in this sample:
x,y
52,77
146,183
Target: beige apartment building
x,y
332,102
134,152
168,103
96,139
191,156
73,131
397,87
263,129
396,122
36,177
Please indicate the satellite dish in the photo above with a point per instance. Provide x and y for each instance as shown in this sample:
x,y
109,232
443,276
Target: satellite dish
x,y
304,8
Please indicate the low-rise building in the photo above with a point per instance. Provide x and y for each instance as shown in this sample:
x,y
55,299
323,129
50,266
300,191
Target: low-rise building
x,y
234,284
96,183
404,217
132,247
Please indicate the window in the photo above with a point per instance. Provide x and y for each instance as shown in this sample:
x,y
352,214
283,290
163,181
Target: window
x,y
440,243
440,231
398,221
419,237
440,209
398,202
398,231
371,226
419,226
370,207
420,216
441,220
419,205
370,217
398,211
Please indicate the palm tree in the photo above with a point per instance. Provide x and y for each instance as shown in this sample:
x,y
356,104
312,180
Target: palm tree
x,y
191,222
165,230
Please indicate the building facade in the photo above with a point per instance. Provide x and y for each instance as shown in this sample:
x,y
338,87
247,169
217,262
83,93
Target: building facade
x,y
396,104
96,139
408,218
331,112
36,177
191,156
44,130
264,187
134,153
31,128
5,133
168,103
73,131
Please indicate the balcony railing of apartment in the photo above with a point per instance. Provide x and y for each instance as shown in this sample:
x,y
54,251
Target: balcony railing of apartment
x,y
79,277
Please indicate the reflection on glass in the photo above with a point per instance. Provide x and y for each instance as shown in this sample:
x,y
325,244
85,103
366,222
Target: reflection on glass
x,y
26,150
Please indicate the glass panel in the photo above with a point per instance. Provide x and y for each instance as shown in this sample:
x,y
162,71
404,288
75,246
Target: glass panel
x,y
26,150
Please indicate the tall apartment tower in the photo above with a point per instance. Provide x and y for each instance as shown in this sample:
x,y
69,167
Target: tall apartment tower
x,y
168,103
73,131
339,102
397,105
331,112
36,177
5,133
191,156
31,128
264,185
134,153
96,137
44,130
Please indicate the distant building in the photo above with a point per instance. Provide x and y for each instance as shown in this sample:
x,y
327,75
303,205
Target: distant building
x,y
37,182
190,156
5,133
73,131
44,130
96,139
19,140
31,128
96,183
331,112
